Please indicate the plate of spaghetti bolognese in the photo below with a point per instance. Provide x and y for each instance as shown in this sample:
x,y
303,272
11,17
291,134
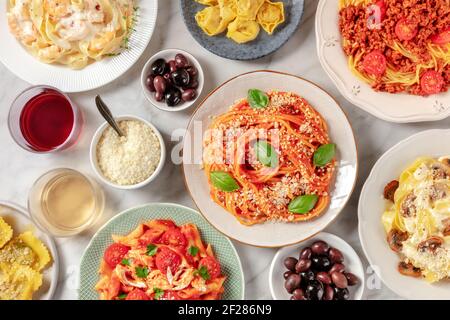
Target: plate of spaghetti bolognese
x,y
269,158
391,58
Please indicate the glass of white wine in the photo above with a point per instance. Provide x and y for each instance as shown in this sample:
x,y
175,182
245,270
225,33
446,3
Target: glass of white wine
x,y
65,202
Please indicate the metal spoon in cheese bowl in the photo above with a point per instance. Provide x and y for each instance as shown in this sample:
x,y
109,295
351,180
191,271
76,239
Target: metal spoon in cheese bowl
x,y
107,115
130,157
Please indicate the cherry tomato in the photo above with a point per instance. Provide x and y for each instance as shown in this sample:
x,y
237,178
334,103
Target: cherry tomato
x,y
212,265
375,63
431,82
115,253
382,5
166,258
170,295
137,294
441,38
406,30
174,237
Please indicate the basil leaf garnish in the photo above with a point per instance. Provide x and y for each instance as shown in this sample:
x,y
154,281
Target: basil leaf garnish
x,y
224,181
303,204
257,99
151,250
324,154
266,154
193,250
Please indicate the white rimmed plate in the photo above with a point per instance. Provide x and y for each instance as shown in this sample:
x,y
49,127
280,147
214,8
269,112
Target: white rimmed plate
x,y
270,234
95,75
389,107
372,205
352,264
18,218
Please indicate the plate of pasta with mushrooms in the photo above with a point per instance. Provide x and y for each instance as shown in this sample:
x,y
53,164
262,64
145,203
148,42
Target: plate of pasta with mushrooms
x,y
74,45
160,251
242,29
404,216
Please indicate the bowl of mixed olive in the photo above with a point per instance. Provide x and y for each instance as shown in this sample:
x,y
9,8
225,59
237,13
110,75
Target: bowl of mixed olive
x,y
324,267
172,80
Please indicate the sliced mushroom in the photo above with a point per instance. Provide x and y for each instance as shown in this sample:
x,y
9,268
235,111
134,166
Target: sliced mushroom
x,y
389,190
395,238
408,207
431,244
446,231
440,170
438,191
407,269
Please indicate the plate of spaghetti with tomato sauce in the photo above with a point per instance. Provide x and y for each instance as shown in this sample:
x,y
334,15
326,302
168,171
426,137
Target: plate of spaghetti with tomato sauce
x,y
273,150
389,57
160,252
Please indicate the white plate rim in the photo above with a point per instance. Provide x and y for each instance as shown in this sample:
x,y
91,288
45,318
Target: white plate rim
x,y
321,236
49,241
438,110
363,195
66,83
278,245
170,204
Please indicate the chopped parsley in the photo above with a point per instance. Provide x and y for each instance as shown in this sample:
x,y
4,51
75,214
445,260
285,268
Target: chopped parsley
x,y
122,296
151,249
203,272
141,272
158,293
193,250
125,262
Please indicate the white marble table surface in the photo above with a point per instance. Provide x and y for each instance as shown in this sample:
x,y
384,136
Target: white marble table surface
x,y
19,169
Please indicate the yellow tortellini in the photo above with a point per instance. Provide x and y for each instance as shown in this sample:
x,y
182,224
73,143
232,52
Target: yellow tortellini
x,y
242,31
242,18
270,15
22,259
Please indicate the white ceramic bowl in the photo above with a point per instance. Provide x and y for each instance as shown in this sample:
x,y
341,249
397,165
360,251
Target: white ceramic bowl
x,y
93,154
371,206
281,233
169,54
352,263
389,107
20,221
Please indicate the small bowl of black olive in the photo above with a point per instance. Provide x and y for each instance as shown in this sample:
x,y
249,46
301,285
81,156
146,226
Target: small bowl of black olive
x,y
324,267
172,80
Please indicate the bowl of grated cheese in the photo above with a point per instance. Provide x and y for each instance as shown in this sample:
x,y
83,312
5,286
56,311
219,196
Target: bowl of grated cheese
x,y
131,161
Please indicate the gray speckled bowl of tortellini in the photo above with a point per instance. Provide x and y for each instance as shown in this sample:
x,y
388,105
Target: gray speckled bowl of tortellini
x,y
242,29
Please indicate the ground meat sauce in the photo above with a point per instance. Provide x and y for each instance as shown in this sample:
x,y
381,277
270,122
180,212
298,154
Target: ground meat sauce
x,y
427,18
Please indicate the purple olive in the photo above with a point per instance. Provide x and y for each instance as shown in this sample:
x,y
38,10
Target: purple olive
x,y
302,265
173,96
159,67
172,65
193,72
189,95
320,247
323,277
335,255
149,83
339,279
292,283
298,294
305,253
193,84
351,279
159,96
328,293
287,274
339,267
181,60
290,263
160,84
180,78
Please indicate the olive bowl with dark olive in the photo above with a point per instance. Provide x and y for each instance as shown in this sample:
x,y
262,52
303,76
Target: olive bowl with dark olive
x,y
172,80
322,268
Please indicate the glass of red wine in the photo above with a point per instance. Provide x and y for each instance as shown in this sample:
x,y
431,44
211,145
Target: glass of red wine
x,y
43,119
